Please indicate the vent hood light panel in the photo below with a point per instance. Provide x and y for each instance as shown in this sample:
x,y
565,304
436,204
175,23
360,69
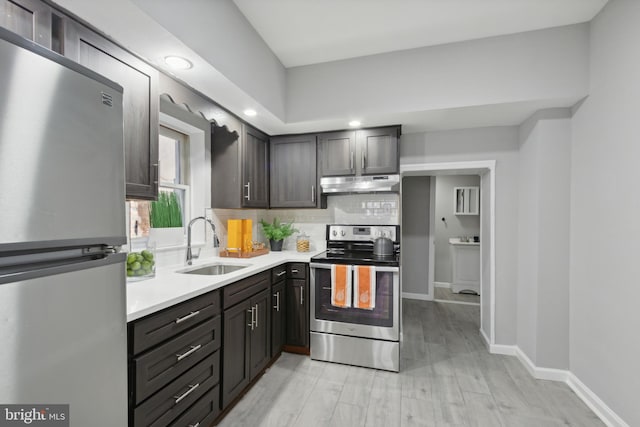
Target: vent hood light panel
x,y
360,184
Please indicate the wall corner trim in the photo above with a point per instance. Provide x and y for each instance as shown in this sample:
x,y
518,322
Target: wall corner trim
x,y
596,404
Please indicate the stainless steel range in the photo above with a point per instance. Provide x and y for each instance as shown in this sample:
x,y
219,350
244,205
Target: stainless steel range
x,y
346,332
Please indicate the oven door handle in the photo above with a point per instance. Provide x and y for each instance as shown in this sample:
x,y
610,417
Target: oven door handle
x,y
378,267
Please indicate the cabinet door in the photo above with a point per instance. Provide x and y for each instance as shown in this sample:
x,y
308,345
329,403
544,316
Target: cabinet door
x,y
30,19
378,151
277,317
261,333
255,169
235,351
293,172
140,104
297,323
337,153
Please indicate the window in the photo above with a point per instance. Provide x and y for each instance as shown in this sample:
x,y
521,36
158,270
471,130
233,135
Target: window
x,y
173,169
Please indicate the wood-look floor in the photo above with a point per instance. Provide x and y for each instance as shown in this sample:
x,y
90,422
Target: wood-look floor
x,y
445,294
447,378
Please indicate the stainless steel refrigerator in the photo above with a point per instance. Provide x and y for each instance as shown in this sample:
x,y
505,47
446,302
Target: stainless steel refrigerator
x,y
62,282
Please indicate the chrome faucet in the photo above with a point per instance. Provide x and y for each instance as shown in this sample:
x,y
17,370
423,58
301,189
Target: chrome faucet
x,y
190,255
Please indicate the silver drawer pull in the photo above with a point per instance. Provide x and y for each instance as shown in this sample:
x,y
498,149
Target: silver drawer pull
x,y
188,316
194,425
294,271
256,315
252,317
194,348
277,306
186,393
282,273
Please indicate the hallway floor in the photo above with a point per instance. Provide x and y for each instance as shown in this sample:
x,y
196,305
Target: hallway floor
x,y
445,294
447,378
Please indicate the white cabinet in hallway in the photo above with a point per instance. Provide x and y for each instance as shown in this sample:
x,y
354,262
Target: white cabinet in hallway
x,y
465,260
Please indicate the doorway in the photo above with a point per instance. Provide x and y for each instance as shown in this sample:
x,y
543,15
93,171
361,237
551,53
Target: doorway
x,y
486,171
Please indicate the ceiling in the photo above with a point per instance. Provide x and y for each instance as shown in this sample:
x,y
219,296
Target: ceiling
x,y
303,32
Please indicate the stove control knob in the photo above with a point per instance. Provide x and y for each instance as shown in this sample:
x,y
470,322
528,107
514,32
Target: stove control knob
x,y
335,233
342,233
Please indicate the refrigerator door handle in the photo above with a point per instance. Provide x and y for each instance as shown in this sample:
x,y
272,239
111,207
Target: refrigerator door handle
x,y
13,274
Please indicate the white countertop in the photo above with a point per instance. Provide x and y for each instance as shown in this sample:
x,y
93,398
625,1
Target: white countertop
x,y
456,241
169,287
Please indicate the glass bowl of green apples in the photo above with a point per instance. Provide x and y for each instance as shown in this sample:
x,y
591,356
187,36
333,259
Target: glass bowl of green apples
x,y
141,264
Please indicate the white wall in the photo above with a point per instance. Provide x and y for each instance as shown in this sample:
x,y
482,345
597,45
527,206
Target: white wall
x,y
492,143
605,225
546,64
415,234
543,238
454,225
228,42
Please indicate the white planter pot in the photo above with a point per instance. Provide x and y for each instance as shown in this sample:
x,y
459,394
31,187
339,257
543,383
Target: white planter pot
x,y
173,236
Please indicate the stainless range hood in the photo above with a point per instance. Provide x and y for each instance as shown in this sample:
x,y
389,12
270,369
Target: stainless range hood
x,y
360,184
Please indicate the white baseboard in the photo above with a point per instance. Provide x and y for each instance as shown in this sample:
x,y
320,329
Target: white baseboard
x,y
411,295
448,301
541,373
442,285
606,414
596,404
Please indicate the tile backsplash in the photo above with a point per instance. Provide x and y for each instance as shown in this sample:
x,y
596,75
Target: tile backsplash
x,y
341,209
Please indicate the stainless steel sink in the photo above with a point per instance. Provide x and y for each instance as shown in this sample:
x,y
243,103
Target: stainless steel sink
x,y
214,269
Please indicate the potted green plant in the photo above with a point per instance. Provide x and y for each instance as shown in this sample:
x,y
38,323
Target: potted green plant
x,y
276,232
165,219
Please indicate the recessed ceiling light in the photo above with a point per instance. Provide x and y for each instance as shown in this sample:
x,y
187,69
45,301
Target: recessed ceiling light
x,y
249,112
354,123
178,62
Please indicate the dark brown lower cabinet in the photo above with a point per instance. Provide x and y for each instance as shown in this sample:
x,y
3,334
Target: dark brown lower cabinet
x,y
174,364
247,344
278,318
297,319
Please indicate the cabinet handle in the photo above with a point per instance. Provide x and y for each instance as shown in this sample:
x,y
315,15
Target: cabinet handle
x,y
188,316
256,316
248,187
186,393
277,306
301,295
351,160
252,317
294,271
313,194
156,166
194,425
194,348
282,273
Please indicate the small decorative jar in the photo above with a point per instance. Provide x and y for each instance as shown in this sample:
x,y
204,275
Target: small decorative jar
x,y
141,262
302,243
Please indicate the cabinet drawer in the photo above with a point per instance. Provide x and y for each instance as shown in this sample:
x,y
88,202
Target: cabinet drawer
x,y
278,273
161,326
297,270
161,409
158,367
203,412
245,288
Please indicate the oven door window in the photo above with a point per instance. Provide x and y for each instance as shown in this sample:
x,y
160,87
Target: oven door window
x,y
381,315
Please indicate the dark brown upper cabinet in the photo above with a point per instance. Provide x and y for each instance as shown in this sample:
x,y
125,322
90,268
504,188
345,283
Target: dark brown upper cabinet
x,y
141,103
239,168
33,20
363,152
293,172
